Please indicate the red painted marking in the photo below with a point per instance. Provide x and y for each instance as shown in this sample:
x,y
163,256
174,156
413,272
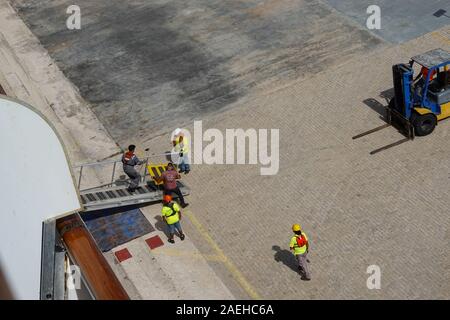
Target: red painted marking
x,y
154,242
123,255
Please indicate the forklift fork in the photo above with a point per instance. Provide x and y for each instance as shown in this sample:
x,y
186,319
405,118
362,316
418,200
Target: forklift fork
x,y
393,118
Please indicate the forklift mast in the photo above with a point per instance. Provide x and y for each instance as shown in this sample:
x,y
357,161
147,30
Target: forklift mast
x,y
402,75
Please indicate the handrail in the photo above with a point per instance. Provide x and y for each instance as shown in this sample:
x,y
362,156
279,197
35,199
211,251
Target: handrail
x,y
88,164
114,166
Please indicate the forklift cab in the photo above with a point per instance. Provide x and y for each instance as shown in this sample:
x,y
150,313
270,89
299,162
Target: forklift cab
x,y
421,101
432,86
439,88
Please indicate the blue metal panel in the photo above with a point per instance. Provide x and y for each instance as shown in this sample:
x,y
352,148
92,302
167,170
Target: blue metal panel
x,y
113,227
407,84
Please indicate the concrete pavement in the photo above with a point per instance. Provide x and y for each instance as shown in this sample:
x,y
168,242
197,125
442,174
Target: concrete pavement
x,y
172,271
400,20
158,64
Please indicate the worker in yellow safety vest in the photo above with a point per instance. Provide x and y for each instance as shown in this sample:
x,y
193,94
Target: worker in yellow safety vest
x,y
171,214
181,147
300,247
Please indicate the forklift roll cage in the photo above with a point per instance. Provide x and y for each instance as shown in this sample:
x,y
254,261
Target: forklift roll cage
x,y
409,99
423,98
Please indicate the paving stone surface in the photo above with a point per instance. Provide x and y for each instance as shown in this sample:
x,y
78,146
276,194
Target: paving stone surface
x,y
390,209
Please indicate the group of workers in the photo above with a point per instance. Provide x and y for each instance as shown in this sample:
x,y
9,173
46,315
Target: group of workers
x,y
171,211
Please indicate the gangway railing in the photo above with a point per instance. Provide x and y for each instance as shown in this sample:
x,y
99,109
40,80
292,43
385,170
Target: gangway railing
x,y
103,193
114,167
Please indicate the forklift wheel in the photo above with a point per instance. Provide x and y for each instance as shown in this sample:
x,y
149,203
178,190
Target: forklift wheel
x,y
424,124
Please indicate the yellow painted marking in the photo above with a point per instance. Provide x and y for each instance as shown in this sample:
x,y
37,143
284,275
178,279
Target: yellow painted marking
x,y
230,266
442,38
182,253
155,171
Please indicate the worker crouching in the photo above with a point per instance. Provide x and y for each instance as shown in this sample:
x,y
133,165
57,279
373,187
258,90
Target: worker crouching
x,y
300,247
171,214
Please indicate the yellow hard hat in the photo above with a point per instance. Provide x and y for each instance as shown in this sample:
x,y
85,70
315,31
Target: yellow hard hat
x,y
296,227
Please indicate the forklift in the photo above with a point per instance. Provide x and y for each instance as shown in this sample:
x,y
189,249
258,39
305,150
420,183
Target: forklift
x,y
420,100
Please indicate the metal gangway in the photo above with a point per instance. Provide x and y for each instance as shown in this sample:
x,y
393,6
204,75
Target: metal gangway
x,y
114,192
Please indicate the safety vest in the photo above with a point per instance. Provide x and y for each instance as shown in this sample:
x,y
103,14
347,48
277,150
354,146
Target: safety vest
x,y
299,243
127,157
171,212
181,147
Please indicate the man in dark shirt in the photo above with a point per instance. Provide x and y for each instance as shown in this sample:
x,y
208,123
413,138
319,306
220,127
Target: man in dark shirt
x,y
169,177
129,160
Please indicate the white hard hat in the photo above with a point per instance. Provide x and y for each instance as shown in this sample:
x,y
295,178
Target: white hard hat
x,y
177,131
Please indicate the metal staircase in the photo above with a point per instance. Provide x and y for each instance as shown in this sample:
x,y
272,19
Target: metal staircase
x,y
118,196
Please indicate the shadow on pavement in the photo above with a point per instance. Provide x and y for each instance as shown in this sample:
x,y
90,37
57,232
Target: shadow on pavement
x,y
377,107
286,257
161,225
387,95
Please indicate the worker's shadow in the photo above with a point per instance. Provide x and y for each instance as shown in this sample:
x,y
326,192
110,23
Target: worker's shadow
x,y
161,225
286,257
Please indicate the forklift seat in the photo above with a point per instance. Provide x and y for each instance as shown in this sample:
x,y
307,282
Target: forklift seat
x,y
440,97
